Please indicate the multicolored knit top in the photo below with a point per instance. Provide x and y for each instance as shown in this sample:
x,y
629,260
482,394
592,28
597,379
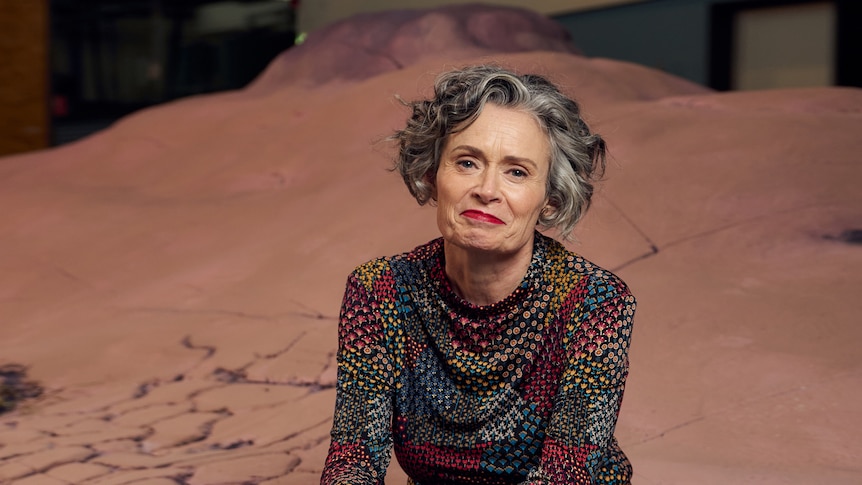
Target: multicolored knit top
x,y
526,390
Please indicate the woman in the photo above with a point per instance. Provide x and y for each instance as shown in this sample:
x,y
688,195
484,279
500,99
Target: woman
x,y
491,355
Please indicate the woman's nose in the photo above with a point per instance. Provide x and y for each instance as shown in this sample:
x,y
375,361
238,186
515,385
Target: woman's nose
x,y
488,187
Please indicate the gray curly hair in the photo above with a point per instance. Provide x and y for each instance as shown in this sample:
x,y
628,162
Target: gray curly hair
x,y
577,155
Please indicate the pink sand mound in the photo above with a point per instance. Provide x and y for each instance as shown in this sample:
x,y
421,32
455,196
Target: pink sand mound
x,y
371,44
174,280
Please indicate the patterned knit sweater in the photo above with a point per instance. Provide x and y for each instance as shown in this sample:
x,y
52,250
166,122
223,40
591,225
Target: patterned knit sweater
x,y
526,390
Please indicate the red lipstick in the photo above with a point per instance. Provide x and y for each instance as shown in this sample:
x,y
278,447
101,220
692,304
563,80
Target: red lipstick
x,y
481,216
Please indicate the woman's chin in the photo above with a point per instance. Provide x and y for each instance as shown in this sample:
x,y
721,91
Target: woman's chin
x,y
482,241
473,242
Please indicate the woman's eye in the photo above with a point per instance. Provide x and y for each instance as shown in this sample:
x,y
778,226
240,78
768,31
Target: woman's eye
x,y
465,163
517,172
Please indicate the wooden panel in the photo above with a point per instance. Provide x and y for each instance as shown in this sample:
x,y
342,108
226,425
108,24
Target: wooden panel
x,y
24,75
786,46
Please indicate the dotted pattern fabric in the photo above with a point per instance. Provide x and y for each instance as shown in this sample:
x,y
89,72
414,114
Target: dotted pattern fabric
x,y
524,391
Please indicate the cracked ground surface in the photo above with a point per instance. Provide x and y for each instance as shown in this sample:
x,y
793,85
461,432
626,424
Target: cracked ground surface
x,y
174,281
208,424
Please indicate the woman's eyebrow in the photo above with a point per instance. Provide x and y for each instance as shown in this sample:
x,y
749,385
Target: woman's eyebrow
x,y
469,149
478,153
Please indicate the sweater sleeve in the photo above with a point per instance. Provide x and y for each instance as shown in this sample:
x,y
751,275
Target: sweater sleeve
x,y
579,447
359,452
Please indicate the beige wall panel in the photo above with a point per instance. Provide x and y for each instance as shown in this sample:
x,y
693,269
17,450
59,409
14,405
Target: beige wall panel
x,y
782,47
24,76
314,14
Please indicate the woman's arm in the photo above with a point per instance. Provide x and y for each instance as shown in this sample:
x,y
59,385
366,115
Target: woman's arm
x,y
361,431
579,446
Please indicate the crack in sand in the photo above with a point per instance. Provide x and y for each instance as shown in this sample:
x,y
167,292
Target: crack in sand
x,y
670,429
239,375
212,312
655,249
49,464
310,313
71,276
278,353
209,349
736,406
740,223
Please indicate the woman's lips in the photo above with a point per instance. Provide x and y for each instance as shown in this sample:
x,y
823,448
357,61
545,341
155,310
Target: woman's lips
x,y
481,216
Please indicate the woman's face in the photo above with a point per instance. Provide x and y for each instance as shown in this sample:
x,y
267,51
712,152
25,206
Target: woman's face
x,y
491,183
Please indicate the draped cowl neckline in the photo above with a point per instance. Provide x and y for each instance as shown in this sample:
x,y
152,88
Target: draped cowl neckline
x,y
485,348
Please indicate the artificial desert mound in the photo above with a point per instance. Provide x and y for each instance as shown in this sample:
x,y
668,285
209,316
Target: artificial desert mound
x,y
173,282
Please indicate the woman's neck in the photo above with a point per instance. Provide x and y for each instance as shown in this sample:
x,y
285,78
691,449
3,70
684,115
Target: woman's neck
x,y
484,278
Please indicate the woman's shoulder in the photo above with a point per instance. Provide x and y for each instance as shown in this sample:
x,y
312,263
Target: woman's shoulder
x,y
572,267
421,256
